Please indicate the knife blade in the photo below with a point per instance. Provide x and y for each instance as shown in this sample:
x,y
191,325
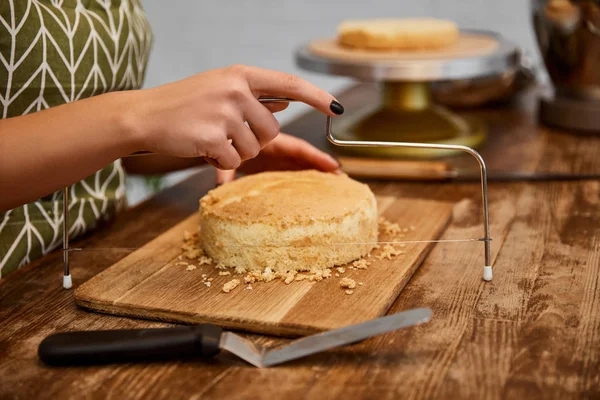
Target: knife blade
x,y
205,341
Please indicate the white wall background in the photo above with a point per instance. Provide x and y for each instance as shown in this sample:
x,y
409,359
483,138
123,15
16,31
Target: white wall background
x,y
191,36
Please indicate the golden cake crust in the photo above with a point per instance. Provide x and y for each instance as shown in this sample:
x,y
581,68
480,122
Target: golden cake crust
x,y
282,198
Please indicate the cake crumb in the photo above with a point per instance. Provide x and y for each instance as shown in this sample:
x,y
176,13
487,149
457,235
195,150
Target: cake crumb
x,y
392,229
204,260
224,273
361,283
289,277
337,275
268,275
341,270
361,264
210,279
207,284
191,250
301,277
190,268
181,263
316,276
192,254
229,286
249,279
348,283
326,273
240,270
248,287
389,252
349,291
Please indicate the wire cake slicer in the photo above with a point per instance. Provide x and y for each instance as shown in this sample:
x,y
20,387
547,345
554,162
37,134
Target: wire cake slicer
x,y
486,239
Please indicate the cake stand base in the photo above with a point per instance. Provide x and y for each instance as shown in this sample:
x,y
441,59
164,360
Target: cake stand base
x,y
407,114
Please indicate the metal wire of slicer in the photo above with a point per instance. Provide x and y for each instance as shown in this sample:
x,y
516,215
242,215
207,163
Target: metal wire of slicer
x,y
486,239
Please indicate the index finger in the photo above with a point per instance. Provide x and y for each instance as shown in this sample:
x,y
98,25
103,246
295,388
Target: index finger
x,y
224,176
276,83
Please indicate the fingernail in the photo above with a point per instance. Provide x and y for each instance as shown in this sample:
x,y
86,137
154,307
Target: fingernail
x,y
336,107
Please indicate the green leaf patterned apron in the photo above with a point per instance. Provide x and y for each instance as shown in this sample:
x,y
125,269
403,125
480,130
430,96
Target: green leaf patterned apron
x,y
54,52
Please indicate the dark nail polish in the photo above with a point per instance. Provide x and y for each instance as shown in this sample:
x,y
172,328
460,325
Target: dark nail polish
x,y
217,184
336,107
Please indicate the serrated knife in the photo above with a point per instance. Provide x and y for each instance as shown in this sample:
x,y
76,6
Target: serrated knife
x,y
205,341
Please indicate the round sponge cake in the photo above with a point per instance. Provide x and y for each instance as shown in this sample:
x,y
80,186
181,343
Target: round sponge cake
x,y
398,34
288,221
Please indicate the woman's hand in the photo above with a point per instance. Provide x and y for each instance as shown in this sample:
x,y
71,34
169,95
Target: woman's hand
x,y
217,115
284,153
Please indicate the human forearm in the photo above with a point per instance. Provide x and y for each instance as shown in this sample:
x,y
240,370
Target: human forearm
x,y
45,151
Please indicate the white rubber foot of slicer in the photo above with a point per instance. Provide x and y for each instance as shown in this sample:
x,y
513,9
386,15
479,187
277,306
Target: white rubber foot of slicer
x,y
487,273
67,281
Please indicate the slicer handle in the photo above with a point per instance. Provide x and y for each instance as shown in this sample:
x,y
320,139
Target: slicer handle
x,y
132,345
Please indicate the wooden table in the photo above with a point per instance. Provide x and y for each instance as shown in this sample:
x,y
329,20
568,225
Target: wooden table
x,y
534,332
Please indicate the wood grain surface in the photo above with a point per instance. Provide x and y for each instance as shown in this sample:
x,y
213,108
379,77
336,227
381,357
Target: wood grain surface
x,y
150,284
533,332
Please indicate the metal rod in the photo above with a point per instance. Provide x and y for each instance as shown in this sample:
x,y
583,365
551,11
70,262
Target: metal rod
x,y
487,269
67,281
276,100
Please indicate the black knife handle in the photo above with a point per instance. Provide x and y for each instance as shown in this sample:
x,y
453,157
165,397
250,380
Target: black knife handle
x,y
131,345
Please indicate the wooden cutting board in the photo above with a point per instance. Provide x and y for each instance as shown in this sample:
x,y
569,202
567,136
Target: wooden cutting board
x,y
148,283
